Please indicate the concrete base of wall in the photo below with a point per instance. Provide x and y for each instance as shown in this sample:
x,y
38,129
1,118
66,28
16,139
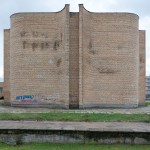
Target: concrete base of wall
x,y
16,137
6,103
21,132
141,104
39,105
80,107
109,106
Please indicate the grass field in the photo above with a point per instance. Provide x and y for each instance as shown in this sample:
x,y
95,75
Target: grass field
x,y
47,146
147,103
75,117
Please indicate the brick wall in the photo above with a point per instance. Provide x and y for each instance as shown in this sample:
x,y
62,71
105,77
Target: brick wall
x,y
1,90
7,66
142,88
110,59
40,58
67,59
74,60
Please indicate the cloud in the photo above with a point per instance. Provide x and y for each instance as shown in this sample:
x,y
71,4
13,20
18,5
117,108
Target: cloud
x,y
1,72
144,24
140,7
1,55
148,66
73,4
101,6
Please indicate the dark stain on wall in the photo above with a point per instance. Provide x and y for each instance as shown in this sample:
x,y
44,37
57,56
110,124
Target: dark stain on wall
x,y
24,43
91,51
42,45
106,70
60,72
61,37
119,47
90,45
88,60
22,33
47,45
72,14
45,35
142,60
56,45
58,62
34,46
35,34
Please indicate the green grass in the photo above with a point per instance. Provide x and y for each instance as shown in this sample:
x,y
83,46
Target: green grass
x,y
46,146
75,117
147,103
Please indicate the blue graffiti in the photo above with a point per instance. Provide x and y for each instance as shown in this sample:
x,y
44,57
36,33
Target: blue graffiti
x,y
22,97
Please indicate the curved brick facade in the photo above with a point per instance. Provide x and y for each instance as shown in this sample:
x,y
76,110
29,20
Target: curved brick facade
x,y
110,59
39,58
67,59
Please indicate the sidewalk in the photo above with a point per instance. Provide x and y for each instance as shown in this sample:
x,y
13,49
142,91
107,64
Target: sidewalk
x,y
76,126
13,132
140,110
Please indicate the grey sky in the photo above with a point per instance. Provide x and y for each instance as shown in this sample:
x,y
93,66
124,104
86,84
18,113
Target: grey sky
x,y
140,7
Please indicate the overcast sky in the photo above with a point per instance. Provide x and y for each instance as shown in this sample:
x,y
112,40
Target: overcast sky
x,y
140,7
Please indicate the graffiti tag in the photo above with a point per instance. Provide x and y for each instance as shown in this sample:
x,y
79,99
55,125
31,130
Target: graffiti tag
x,y
22,97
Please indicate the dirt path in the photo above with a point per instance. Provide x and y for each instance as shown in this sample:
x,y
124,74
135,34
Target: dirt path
x,y
140,110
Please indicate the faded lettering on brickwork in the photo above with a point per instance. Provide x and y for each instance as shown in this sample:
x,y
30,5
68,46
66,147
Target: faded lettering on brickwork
x,y
36,98
43,44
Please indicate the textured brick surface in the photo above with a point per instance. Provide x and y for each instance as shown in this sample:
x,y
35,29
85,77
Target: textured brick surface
x,y
142,55
39,61
75,59
110,59
7,66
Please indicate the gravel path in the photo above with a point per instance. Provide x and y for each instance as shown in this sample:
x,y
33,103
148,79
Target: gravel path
x,y
140,110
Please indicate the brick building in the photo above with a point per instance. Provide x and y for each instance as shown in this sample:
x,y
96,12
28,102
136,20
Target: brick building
x,y
74,59
148,88
1,90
